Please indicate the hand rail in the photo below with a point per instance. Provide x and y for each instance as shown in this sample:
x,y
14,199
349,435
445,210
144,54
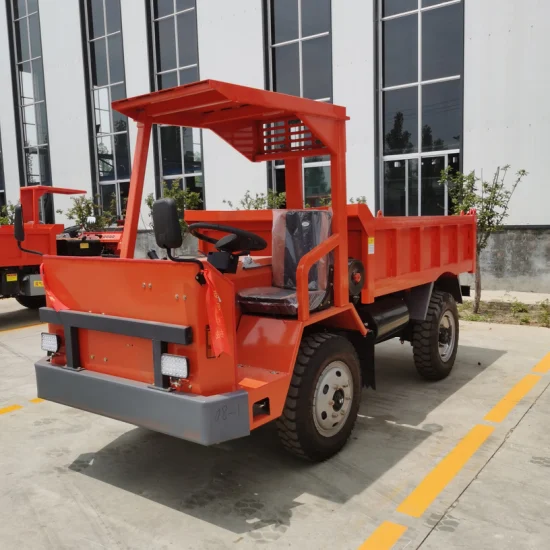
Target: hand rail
x,y
302,273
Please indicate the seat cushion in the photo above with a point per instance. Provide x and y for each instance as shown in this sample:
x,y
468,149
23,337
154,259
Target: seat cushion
x,y
272,300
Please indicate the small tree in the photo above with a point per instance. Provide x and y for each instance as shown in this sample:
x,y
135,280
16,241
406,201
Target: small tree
x,y
7,214
85,208
261,201
491,200
185,200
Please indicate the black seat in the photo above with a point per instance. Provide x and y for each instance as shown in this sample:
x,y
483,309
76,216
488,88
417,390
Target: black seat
x,y
295,233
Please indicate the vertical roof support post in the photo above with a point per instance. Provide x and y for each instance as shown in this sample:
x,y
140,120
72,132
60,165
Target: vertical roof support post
x,y
294,183
340,218
129,235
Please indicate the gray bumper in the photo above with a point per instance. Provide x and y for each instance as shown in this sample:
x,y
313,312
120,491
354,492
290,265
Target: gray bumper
x,y
204,420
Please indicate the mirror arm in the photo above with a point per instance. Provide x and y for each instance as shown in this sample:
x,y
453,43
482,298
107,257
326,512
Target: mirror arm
x,y
199,277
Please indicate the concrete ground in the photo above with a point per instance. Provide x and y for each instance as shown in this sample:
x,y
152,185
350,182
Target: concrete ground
x,y
69,479
530,298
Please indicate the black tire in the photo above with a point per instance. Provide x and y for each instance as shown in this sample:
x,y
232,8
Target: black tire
x,y
297,427
426,338
31,302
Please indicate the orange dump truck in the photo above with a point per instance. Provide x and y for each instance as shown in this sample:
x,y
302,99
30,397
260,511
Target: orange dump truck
x,y
278,319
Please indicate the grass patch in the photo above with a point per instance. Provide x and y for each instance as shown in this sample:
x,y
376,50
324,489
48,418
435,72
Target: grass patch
x,y
510,313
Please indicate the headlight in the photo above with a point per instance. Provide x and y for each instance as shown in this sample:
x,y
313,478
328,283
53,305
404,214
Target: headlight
x,y
174,366
50,342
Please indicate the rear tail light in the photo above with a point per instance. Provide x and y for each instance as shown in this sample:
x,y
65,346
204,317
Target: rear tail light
x,y
174,366
50,342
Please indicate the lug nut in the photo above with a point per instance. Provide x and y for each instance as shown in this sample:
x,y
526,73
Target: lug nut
x,y
334,415
331,403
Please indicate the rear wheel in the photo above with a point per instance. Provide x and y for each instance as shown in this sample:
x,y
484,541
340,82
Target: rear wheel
x,y
435,340
31,302
323,399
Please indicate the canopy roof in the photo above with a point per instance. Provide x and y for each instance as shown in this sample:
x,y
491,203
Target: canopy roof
x,y
262,125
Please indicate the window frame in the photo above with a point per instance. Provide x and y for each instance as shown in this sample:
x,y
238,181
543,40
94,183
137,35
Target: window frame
x,y
91,90
418,84
155,73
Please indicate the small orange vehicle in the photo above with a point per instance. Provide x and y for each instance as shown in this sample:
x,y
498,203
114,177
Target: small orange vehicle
x,y
278,319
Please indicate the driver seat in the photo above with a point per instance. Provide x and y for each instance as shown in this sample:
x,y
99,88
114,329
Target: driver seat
x,y
295,233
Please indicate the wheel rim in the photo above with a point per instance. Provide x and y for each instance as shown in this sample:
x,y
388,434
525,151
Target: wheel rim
x,y
332,398
447,336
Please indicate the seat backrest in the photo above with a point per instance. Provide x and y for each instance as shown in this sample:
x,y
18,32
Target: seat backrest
x,y
295,233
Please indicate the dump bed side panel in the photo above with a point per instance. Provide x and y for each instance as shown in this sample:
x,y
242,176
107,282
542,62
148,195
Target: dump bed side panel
x,y
41,238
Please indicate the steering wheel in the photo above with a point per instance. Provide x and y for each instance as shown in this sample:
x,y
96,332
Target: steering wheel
x,y
237,240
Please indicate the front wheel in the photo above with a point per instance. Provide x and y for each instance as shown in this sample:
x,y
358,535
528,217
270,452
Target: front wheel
x,y
323,399
31,302
435,340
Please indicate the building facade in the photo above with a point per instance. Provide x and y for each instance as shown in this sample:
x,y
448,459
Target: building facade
x,y
427,84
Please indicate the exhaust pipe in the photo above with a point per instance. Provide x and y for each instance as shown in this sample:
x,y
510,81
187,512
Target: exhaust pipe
x,y
386,317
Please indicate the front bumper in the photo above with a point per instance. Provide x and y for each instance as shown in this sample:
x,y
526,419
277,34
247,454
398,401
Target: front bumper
x,y
204,420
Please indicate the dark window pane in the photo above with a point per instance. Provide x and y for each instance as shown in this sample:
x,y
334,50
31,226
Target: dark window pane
x,y
29,126
120,122
441,115
192,155
317,67
284,21
34,33
286,70
113,15
45,172
394,188
315,17
96,20
187,39
41,123
189,75
124,191
280,184
38,79
316,184
163,7
33,5
166,44
393,7
105,159
433,194
108,197
196,184
19,9
99,62
400,50
170,145
413,187
426,3
25,83
454,162
22,40
167,80
184,4
401,121
102,109
122,156
116,59
442,42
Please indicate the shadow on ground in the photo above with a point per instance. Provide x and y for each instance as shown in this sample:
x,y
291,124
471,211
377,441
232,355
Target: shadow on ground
x,y
18,318
250,486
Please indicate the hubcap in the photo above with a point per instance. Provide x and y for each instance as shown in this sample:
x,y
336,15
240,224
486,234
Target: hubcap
x,y
447,336
332,398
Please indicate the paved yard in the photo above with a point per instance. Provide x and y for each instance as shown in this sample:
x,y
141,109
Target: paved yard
x,y
424,468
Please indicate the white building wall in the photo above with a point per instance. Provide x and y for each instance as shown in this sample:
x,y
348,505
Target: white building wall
x,y
136,66
354,87
231,48
506,102
7,114
66,97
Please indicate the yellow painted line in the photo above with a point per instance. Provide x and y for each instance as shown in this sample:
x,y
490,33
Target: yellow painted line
x,y
21,327
500,411
37,400
10,409
544,366
430,487
384,537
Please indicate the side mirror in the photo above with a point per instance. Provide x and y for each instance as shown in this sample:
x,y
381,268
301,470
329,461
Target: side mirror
x,y
167,224
18,225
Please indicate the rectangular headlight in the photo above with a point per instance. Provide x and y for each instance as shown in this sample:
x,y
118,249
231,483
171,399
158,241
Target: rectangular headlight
x,y
50,342
174,366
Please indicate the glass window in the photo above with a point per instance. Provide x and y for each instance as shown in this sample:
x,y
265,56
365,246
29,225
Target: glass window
x,y
393,7
317,77
412,181
166,37
170,145
106,61
286,69
433,193
284,20
395,188
442,42
316,184
163,7
187,39
184,5
19,9
441,115
401,121
34,35
168,80
315,16
22,39
400,51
